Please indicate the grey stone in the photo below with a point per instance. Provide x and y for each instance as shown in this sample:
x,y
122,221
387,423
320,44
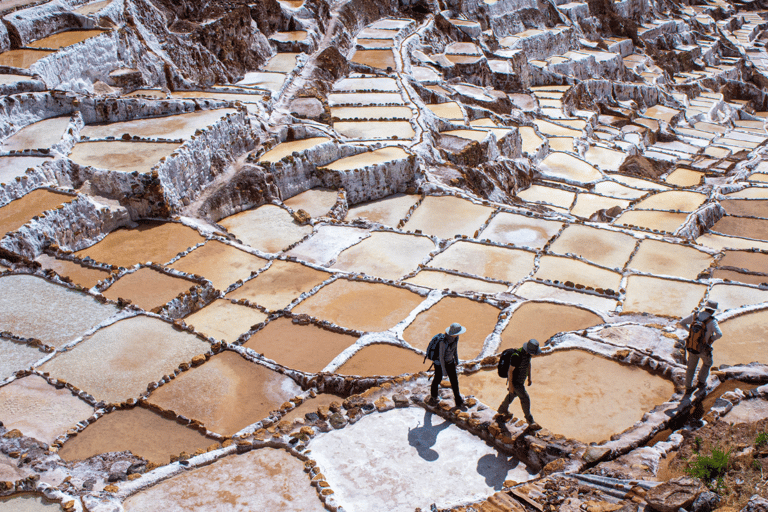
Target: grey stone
x,y
706,502
595,453
756,504
675,494
119,470
338,420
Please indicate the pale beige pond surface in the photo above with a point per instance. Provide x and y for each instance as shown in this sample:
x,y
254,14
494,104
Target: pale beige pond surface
x,y
531,141
22,58
32,307
447,216
327,242
16,356
450,110
683,177
745,340
40,135
148,288
279,285
588,204
662,296
269,81
662,258
220,263
375,129
750,193
618,394
93,7
601,246
386,255
610,188
720,242
672,200
282,63
542,320
538,291
565,269
63,39
350,113
363,306
605,159
443,280
568,167
268,228
510,265
378,156
383,359
549,195
246,96
739,277
729,296
316,202
637,182
264,479
662,221
17,213
117,362
225,321
367,83
292,35
28,503
118,155
40,410
380,59
479,319
181,126
12,166
743,227
360,99
509,228
288,148
227,393
140,431
84,276
302,347
388,211
150,241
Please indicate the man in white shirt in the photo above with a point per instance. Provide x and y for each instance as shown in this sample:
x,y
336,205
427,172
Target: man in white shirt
x,y
712,332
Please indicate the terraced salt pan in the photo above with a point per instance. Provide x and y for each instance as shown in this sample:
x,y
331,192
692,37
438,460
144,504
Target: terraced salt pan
x,y
143,432
452,465
269,81
380,59
667,222
327,242
12,166
568,167
509,265
32,307
742,227
302,347
225,321
750,193
84,276
40,410
122,156
745,340
361,99
40,135
608,248
316,201
375,129
588,204
245,97
739,277
661,296
292,35
227,393
378,156
268,228
509,228
450,110
148,288
618,394
442,280
92,8
720,242
747,411
662,258
533,290
16,356
542,320
683,177
754,261
672,200
386,255
388,211
181,126
282,63
367,83
359,305
27,503
64,39
150,241
119,361
729,296
637,182
220,263
747,208
17,213
561,144
566,269
288,148
389,113
22,58
479,318
279,285
541,194
447,216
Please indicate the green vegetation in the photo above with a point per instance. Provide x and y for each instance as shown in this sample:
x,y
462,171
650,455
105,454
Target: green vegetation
x,y
710,469
761,440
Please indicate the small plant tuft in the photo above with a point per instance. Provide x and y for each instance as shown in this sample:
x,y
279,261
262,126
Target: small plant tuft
x,y
710,468
761,440
697,442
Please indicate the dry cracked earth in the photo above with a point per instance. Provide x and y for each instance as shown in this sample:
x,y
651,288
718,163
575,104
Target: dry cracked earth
x,y
230,228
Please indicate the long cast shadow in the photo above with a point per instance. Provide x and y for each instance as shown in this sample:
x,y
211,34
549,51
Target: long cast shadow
x,y
424,438
494,468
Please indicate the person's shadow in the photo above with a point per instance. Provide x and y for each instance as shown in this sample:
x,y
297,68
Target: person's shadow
x,y
424,438
494,468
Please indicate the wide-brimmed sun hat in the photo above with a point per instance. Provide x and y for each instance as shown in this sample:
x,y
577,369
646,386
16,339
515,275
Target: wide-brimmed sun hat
x,y
532,347
709,309
455,329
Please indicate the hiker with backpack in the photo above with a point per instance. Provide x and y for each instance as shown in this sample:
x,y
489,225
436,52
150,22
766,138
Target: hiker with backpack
x,y
515,366
703,331
442,350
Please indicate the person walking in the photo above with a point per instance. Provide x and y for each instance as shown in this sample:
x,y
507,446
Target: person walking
x,y
519,370
702,332
446,345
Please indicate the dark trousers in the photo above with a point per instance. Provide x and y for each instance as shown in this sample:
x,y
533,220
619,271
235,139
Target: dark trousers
x,y
525,401
450,369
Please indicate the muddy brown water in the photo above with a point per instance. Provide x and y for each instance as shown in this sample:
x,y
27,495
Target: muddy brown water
x,y
84,276
381,59
150,241
302,347
226,393
279,285
386,255
22,58
224,320
17,213
358,305
388,211
745,340
744,227
383,359
542,320
63,39
147,288
510,265
604,247
662,296
748,208
661,258
143,432
220,263
753,261
447,216
40,135
477,317
122,156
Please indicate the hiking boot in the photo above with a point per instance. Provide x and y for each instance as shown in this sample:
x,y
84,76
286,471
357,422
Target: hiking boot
x,y
534,426
701,385
460,403
431,400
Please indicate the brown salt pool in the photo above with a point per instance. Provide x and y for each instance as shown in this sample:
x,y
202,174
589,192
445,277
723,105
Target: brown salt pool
x,y
63,39
509,228
316,202
40,135
358,305
381,59
446,216
143,432
578,395
743,227
662,258
745,340
22,58
181,126
84,276
542,320
227,393
443,280
602,246
383,359
268,228
739,277
649,219
386,255
682,200
479,319
388,211
117,362
18,212
754,261
450,110
510,265
122,156
747,208
225,321
662,296
302,347
150,241
220,263
148,288
565,269
279,285
683,177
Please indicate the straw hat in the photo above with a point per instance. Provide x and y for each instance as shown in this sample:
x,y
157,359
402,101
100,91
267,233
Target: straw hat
x,y
532,347
455,329
709,309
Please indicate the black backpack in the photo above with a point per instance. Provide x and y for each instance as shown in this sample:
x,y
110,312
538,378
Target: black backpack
x,y
433,349
504,361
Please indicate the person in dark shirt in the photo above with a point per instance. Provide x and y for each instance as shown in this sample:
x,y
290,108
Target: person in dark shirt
x,y
519,370
446,363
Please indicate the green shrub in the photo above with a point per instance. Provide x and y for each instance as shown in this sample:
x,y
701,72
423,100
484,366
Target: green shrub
x,y
710,468
761,440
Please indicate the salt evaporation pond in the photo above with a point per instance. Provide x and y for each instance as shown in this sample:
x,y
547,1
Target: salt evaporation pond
x,y
367,83
508,228
662,258
279,285
17,356
386,255
268,228
28,503
438,280
654,220
539,291
446,216
663,297
263,479
548,195
327,242
602,246
350,113
282,63
381,59
388,211
92,8
122,156
119,361
84,276
302,347
64,39
450,110
731,296
452,465
17,213
227,393
562,269
603,397
681,200
40,135
223,320
567,167
285,149
220,263
745,339
148,288
13,166
588,204
317,202
742,227
382,359
181,126
747,208
753,261
508,265
22,58
542,320
370,130
378,156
